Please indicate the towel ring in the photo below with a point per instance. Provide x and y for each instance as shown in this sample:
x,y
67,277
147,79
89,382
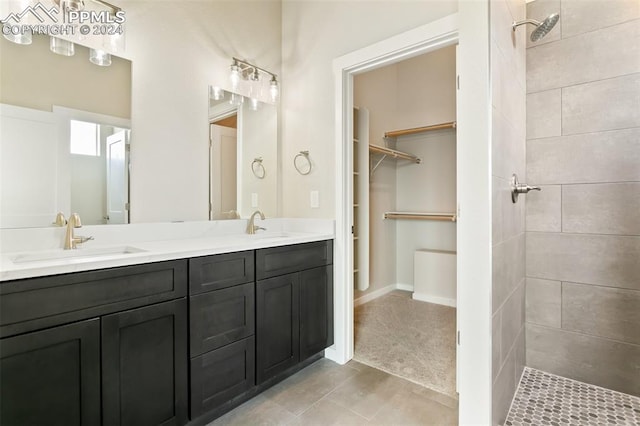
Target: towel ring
x,y
258,168
305,155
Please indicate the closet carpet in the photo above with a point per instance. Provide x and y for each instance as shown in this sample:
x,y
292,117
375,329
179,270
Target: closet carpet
x,y
410,339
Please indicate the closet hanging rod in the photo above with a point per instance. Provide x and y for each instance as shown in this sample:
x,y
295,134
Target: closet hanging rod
x,y
394,153
404,132
448,217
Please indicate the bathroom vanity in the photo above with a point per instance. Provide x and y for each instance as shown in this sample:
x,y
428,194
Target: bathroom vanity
x,y
168,342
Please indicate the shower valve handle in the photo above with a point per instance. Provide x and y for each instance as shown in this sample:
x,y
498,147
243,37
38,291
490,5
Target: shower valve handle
x,y
520,188
524,188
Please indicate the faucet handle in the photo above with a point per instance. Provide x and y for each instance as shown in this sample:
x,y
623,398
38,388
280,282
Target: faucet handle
x,y
75,219
80,239
60,220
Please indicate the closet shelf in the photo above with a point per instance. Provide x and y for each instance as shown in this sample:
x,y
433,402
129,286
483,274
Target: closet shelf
x,y
388,152
405,132
449,217
393,153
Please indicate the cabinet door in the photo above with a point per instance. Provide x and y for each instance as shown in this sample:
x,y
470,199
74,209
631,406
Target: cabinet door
x,y
144,366
277,325
51,377
221,317
316,310
220,375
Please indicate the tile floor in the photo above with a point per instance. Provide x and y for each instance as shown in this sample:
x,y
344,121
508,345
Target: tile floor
x,y
545,399
326,393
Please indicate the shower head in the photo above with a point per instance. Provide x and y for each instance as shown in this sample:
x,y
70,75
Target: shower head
x,y
542,28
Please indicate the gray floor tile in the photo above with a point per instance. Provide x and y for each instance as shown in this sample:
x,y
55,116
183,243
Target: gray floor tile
x,y
302,390
327,413
256,411
411,408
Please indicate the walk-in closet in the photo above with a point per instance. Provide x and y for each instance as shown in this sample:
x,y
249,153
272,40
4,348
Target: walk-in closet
x,y
404,212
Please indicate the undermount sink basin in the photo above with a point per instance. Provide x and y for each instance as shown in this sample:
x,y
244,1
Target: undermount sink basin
x,y
81,253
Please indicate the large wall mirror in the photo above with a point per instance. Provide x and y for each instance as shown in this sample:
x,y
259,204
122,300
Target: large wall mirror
x,y
65,126
243,151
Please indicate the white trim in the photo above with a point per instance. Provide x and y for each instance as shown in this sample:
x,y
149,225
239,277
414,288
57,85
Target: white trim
x,y
426,38
381,292
470,27
423,297
76,114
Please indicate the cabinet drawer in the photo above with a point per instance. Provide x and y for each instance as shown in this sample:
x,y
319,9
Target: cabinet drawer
x,y
37,303
220,375
221,317
220,271
276,261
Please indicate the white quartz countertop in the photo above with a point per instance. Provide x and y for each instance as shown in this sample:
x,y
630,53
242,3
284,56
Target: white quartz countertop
x,y
140,247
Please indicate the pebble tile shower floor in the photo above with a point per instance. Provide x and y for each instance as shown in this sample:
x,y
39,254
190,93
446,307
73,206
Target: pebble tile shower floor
x,y
545,399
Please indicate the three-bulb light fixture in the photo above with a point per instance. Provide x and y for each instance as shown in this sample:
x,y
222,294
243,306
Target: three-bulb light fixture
x,y
65,47
251,78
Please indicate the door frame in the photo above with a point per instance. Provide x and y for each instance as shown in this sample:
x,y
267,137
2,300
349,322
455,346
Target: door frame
x,y
473,161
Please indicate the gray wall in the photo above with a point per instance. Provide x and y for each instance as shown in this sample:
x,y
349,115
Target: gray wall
x,y
508,84
583,229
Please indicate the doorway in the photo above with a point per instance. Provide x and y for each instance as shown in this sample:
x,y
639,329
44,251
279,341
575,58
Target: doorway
x,y
473,338
223,159
404,242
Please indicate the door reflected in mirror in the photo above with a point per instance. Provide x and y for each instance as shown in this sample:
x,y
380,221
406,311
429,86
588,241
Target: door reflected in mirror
x,y
242,134
48,164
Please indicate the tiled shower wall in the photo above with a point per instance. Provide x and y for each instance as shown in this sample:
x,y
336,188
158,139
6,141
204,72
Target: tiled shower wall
x,y
583,229
508,83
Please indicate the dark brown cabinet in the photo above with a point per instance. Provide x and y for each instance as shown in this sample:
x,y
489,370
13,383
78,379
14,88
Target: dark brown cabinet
x,y
222,327
316,310
51,377
162,343
219,376
294,311
110,348
278,319
144,366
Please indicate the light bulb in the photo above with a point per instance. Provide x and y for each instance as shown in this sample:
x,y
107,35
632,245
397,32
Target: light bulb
x,y
99,57
217,93
254,104
61,47
273,90
235,76
236,99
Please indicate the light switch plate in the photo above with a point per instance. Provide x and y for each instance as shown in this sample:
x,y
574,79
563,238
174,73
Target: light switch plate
x,y
315,199
254,199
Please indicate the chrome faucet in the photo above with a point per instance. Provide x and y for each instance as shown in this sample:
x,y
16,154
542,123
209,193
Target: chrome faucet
x,y
251,227
71,241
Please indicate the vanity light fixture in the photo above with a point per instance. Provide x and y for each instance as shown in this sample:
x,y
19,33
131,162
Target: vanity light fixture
x,y
242,70
65,47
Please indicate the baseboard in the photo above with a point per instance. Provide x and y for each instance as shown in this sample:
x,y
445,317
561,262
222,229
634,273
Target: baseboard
x,y
434,299
381,292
